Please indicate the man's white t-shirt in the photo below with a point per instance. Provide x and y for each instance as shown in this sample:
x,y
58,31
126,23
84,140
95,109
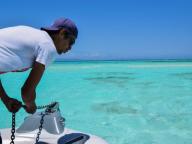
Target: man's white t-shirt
x,y
21,46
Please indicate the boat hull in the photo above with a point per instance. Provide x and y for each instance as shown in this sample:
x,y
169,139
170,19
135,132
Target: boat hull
x,y
30,137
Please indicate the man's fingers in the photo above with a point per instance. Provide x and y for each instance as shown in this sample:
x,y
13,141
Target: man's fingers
x,y
30,107
31,111
14,105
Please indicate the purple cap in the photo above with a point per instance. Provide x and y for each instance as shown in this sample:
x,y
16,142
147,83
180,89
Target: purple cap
x,y
63,23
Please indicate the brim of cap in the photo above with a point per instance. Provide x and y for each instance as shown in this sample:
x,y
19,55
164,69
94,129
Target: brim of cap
x,y
49,28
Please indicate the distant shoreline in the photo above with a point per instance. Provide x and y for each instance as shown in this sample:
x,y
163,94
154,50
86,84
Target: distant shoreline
x,y
126,60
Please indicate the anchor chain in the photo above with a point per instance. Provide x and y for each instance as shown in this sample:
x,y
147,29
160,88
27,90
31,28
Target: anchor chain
x,y
40,127
13,129
49,106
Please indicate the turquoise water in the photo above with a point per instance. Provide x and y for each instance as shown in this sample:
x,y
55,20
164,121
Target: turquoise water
x,y
123,102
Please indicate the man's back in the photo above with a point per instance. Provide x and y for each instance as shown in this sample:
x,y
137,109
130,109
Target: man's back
x,y
20,46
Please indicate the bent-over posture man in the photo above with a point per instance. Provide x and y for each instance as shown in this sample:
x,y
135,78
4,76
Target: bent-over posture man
x,y
24,47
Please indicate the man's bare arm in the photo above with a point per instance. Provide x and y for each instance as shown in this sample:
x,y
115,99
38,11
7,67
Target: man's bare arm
x,y
3,94
28,89
12,104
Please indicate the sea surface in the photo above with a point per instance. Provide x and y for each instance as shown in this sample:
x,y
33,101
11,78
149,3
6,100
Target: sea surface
x,y
124,102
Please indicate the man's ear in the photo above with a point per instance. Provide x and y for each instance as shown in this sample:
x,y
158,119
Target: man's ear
x,y
64,33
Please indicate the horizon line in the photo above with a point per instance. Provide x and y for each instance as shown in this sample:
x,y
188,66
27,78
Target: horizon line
x,y
64,60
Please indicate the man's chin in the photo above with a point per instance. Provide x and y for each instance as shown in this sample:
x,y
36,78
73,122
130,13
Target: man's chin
x,y
65,51
59,52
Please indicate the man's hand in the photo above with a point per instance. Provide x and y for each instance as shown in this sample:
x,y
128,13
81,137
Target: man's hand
x,y
30,107
12,104
29,100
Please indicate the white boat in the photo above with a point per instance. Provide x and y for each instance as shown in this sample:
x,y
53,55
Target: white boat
x,y
53,130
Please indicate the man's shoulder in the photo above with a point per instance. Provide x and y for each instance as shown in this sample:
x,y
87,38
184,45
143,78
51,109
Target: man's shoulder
x,y
27,28
19,30
10,28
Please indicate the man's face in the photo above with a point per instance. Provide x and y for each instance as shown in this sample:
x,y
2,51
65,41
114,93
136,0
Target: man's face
x,y
64,42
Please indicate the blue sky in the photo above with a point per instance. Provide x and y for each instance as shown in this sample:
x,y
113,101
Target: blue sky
x,y
113,29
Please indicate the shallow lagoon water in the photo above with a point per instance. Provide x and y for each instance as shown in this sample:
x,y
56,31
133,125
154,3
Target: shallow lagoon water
x,y
124,102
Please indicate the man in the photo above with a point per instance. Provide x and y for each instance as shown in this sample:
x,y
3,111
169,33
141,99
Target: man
x,y
23,47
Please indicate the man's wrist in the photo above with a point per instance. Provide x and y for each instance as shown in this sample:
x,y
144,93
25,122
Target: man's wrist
x,y
28,96
4,98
